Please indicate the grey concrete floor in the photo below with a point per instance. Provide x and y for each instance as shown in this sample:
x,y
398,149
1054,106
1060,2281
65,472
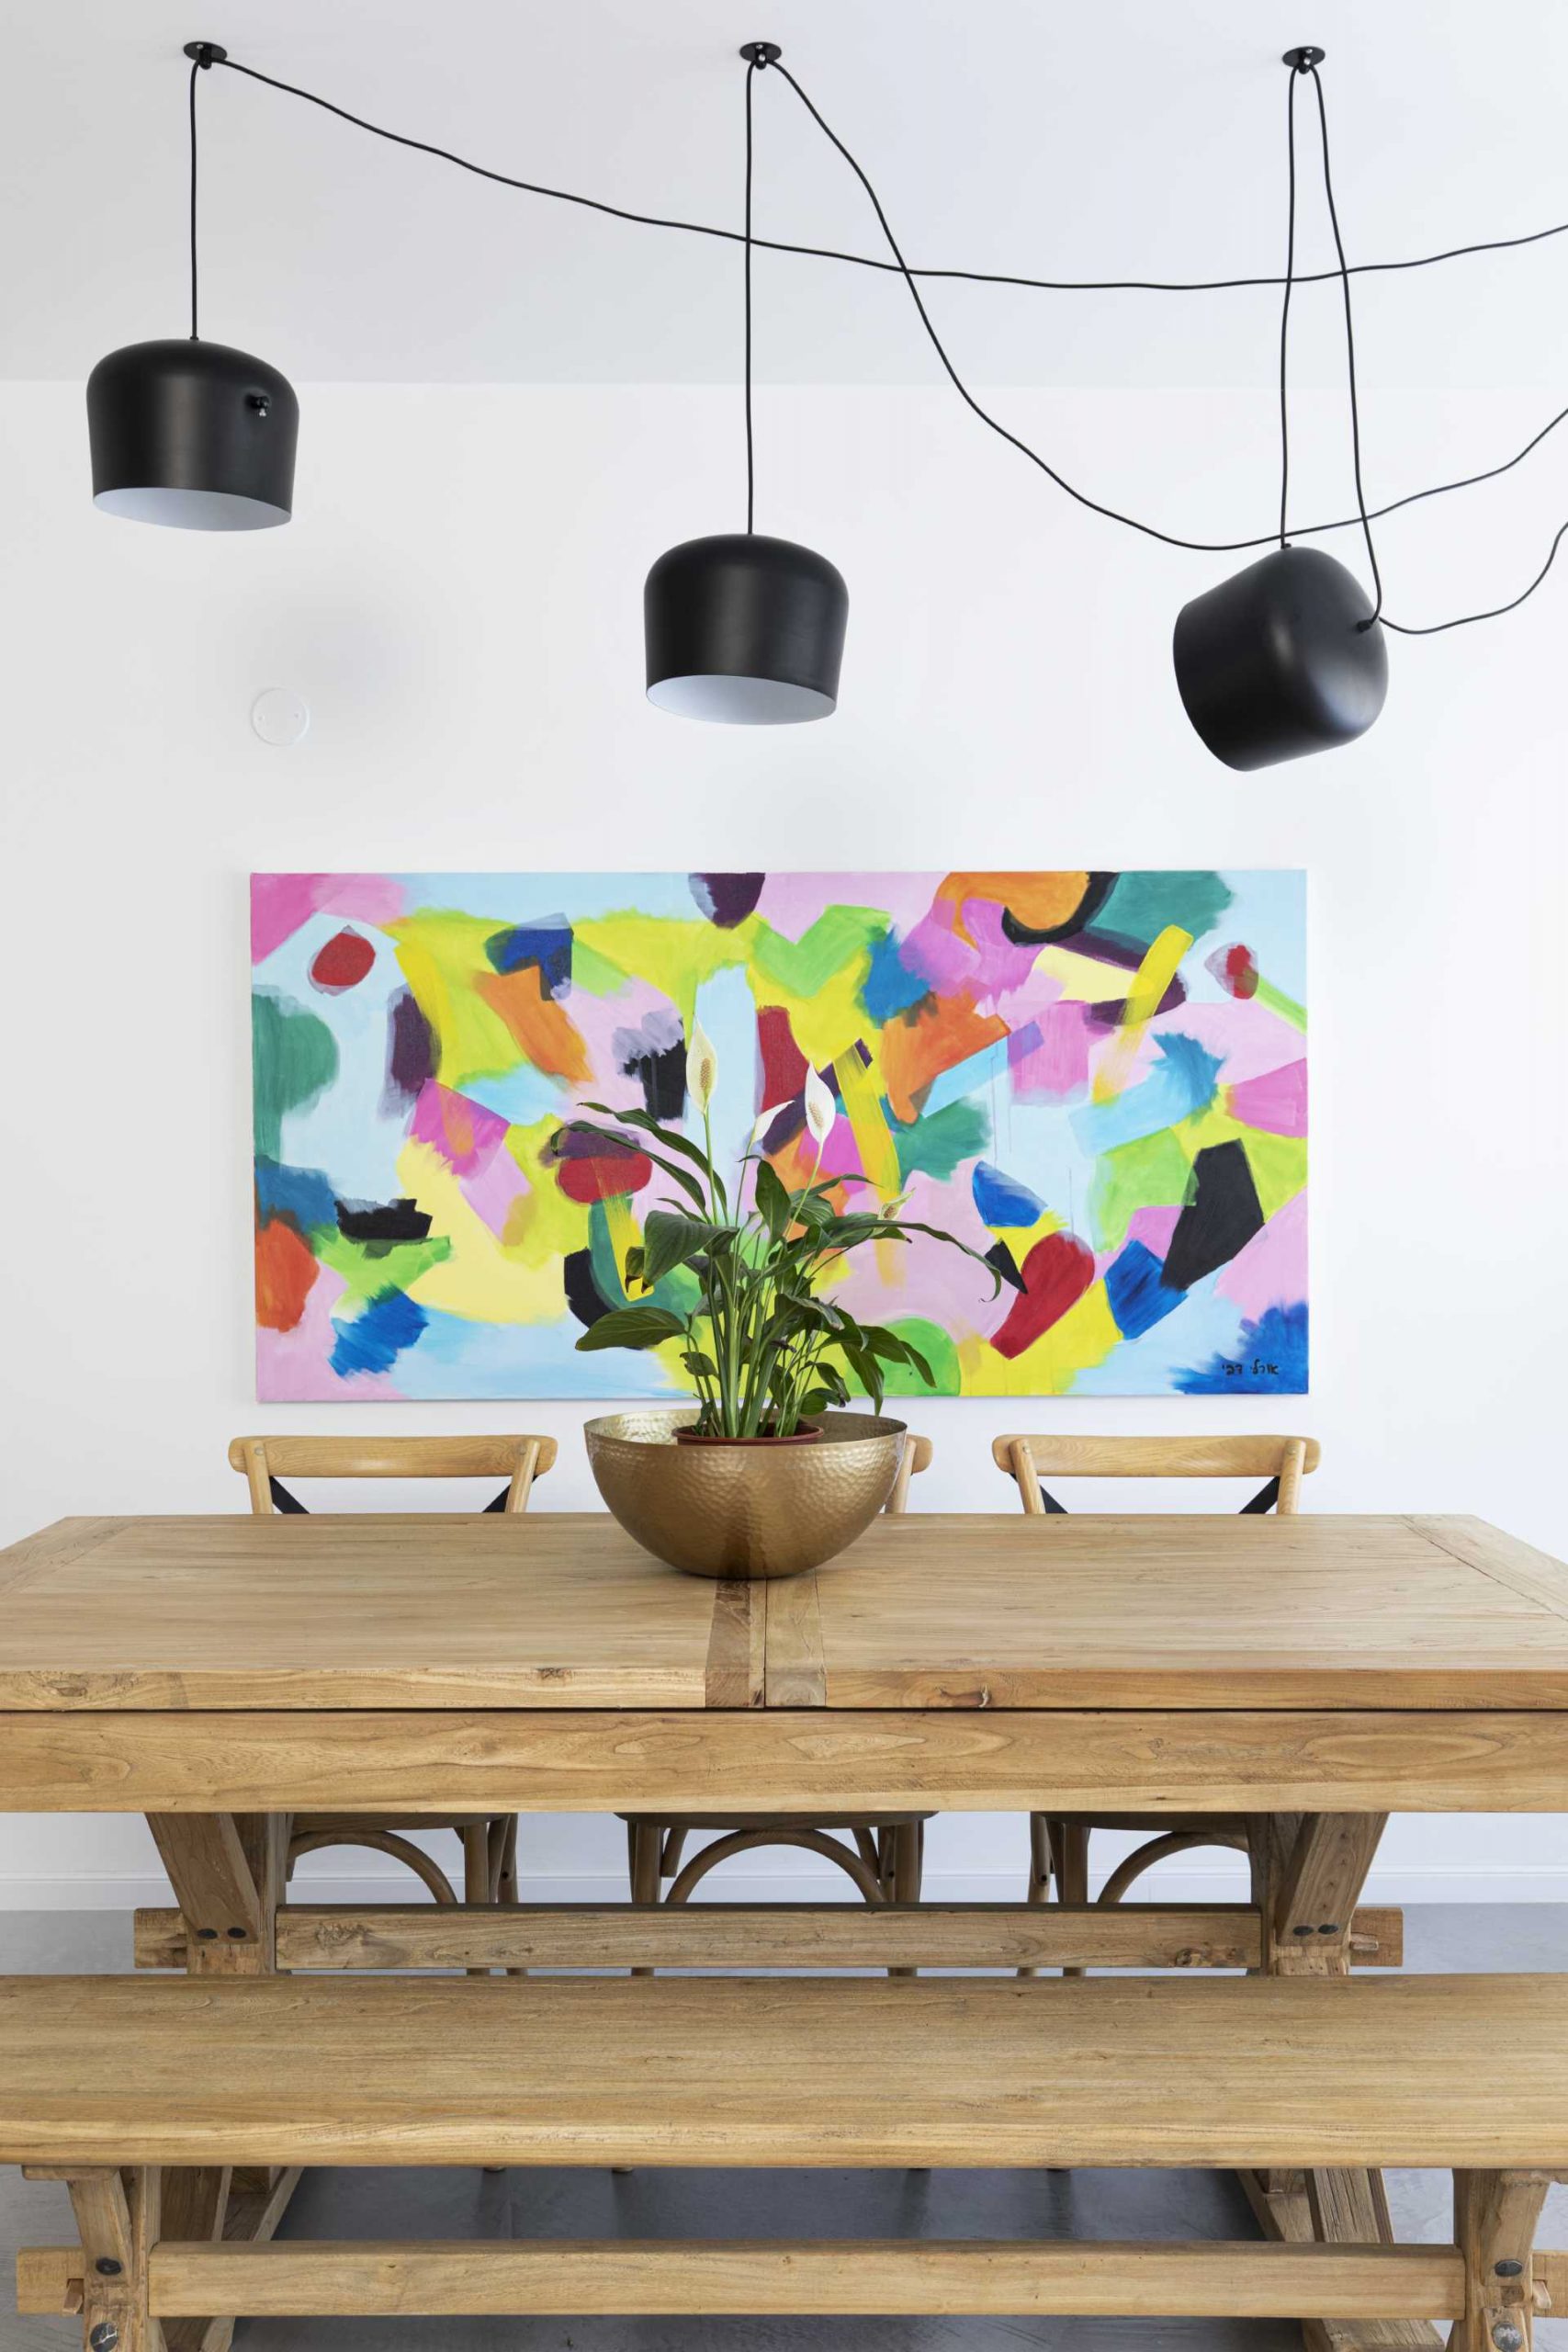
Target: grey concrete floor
x,y
578,2203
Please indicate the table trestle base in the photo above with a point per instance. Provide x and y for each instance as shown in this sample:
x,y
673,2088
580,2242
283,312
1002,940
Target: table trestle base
x,y
768,1936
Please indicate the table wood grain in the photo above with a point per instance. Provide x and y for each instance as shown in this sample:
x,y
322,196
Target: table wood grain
x,y
938,1610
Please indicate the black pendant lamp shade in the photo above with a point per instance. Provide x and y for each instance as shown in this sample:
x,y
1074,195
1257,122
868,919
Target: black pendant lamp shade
x,y
192,434
1278,661
744,629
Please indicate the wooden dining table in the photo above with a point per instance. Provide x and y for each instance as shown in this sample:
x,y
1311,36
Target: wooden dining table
x,y
1308,1675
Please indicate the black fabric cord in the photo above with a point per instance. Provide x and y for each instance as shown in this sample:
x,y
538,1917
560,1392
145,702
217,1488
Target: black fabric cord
x,y
1343,272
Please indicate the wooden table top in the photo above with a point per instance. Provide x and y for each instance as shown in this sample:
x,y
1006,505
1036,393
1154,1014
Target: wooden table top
x,y
933,1610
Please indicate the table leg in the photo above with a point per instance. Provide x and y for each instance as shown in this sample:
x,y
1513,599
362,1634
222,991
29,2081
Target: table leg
x,y
228,1872
1308,1870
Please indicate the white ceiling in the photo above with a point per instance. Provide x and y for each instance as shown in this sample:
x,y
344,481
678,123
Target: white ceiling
x,y
1112,138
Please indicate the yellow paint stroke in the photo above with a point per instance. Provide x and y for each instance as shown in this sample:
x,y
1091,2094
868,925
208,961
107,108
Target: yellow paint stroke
x,y
1077,1342
622,1227
541,1223
481,1280
1153,975
672,954
862,1107
1084,979
442,954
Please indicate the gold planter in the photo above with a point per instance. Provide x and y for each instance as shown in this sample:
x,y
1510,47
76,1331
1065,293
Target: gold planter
x,y
744,1510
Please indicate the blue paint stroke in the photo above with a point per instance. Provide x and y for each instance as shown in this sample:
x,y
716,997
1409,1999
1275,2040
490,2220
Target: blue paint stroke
x,y
1137,1298
1180,1084
375,1339
1001,1200
546,944
1270,1359
304,1196
890,986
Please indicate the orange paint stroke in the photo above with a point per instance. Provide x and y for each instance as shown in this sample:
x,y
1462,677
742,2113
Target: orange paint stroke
x,y
917,1047
1039,901
546,1035
285,1272
1153,975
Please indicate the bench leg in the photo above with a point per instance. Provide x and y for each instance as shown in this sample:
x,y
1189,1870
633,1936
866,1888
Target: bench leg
x,y
1495,2219
229,1875
1308,1870
119,2219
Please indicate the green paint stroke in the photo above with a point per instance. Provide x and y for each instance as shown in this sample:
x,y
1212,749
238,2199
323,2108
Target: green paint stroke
x,y
940,1350
839,937
1143,905
294,1055
1278,1002
1154,1173
368,1268
939,1145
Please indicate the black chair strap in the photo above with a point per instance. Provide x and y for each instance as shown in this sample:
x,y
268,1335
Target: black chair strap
x,y
284,1501
1263,1501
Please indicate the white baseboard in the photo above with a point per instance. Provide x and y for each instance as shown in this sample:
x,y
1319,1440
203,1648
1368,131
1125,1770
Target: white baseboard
x,y
85,1892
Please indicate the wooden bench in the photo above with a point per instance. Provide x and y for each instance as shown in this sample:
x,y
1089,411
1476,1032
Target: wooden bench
x,y
109,2082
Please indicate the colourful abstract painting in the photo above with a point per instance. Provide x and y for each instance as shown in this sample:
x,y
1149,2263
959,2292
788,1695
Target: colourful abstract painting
x,y
1097,1080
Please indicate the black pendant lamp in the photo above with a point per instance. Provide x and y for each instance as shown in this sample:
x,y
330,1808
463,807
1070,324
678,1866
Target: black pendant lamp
x,y
1289,657
191,433
739,627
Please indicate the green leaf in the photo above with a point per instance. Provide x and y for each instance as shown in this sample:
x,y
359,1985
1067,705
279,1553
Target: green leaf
x,y
702,1366
634,1265
772,1200
670,1138
811,1209
867,1370
631,1327
671,1239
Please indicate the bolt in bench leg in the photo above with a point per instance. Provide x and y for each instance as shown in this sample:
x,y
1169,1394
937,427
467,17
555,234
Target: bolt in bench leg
x,y
119,2216
1495,2219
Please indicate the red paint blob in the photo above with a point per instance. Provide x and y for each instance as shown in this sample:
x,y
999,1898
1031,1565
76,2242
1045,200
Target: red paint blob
x,y
1057,1274
1235,968
596,1179
342,962
784,1064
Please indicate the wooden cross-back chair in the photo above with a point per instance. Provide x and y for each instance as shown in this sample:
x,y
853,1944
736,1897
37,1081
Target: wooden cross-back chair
x,y
1058,1843
883,1856
489,1843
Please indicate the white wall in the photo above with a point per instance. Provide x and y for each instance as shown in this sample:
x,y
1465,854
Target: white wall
x,y
459,601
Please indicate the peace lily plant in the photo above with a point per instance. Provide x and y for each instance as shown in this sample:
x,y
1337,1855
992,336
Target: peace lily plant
x,y
741,1284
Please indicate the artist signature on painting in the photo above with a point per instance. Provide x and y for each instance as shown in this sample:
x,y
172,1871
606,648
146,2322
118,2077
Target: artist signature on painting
x,y
1258,1369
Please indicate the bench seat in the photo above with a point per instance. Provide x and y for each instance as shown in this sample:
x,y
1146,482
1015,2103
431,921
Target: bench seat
x,y
1463,2071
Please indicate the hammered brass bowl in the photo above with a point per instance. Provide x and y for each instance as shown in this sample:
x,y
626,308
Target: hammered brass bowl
x,y
744,1510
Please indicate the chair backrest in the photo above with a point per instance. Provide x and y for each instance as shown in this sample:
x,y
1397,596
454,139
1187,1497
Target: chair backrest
x,y
267,1461
917,1457
1281,1461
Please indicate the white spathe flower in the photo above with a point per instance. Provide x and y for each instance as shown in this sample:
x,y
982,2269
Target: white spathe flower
x,y
821,1110
702,1066
764,1121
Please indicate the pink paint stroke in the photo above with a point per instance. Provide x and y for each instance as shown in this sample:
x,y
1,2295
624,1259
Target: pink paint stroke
x,y
281,902
1272,1269
295,1367
467,1136
1276,1102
